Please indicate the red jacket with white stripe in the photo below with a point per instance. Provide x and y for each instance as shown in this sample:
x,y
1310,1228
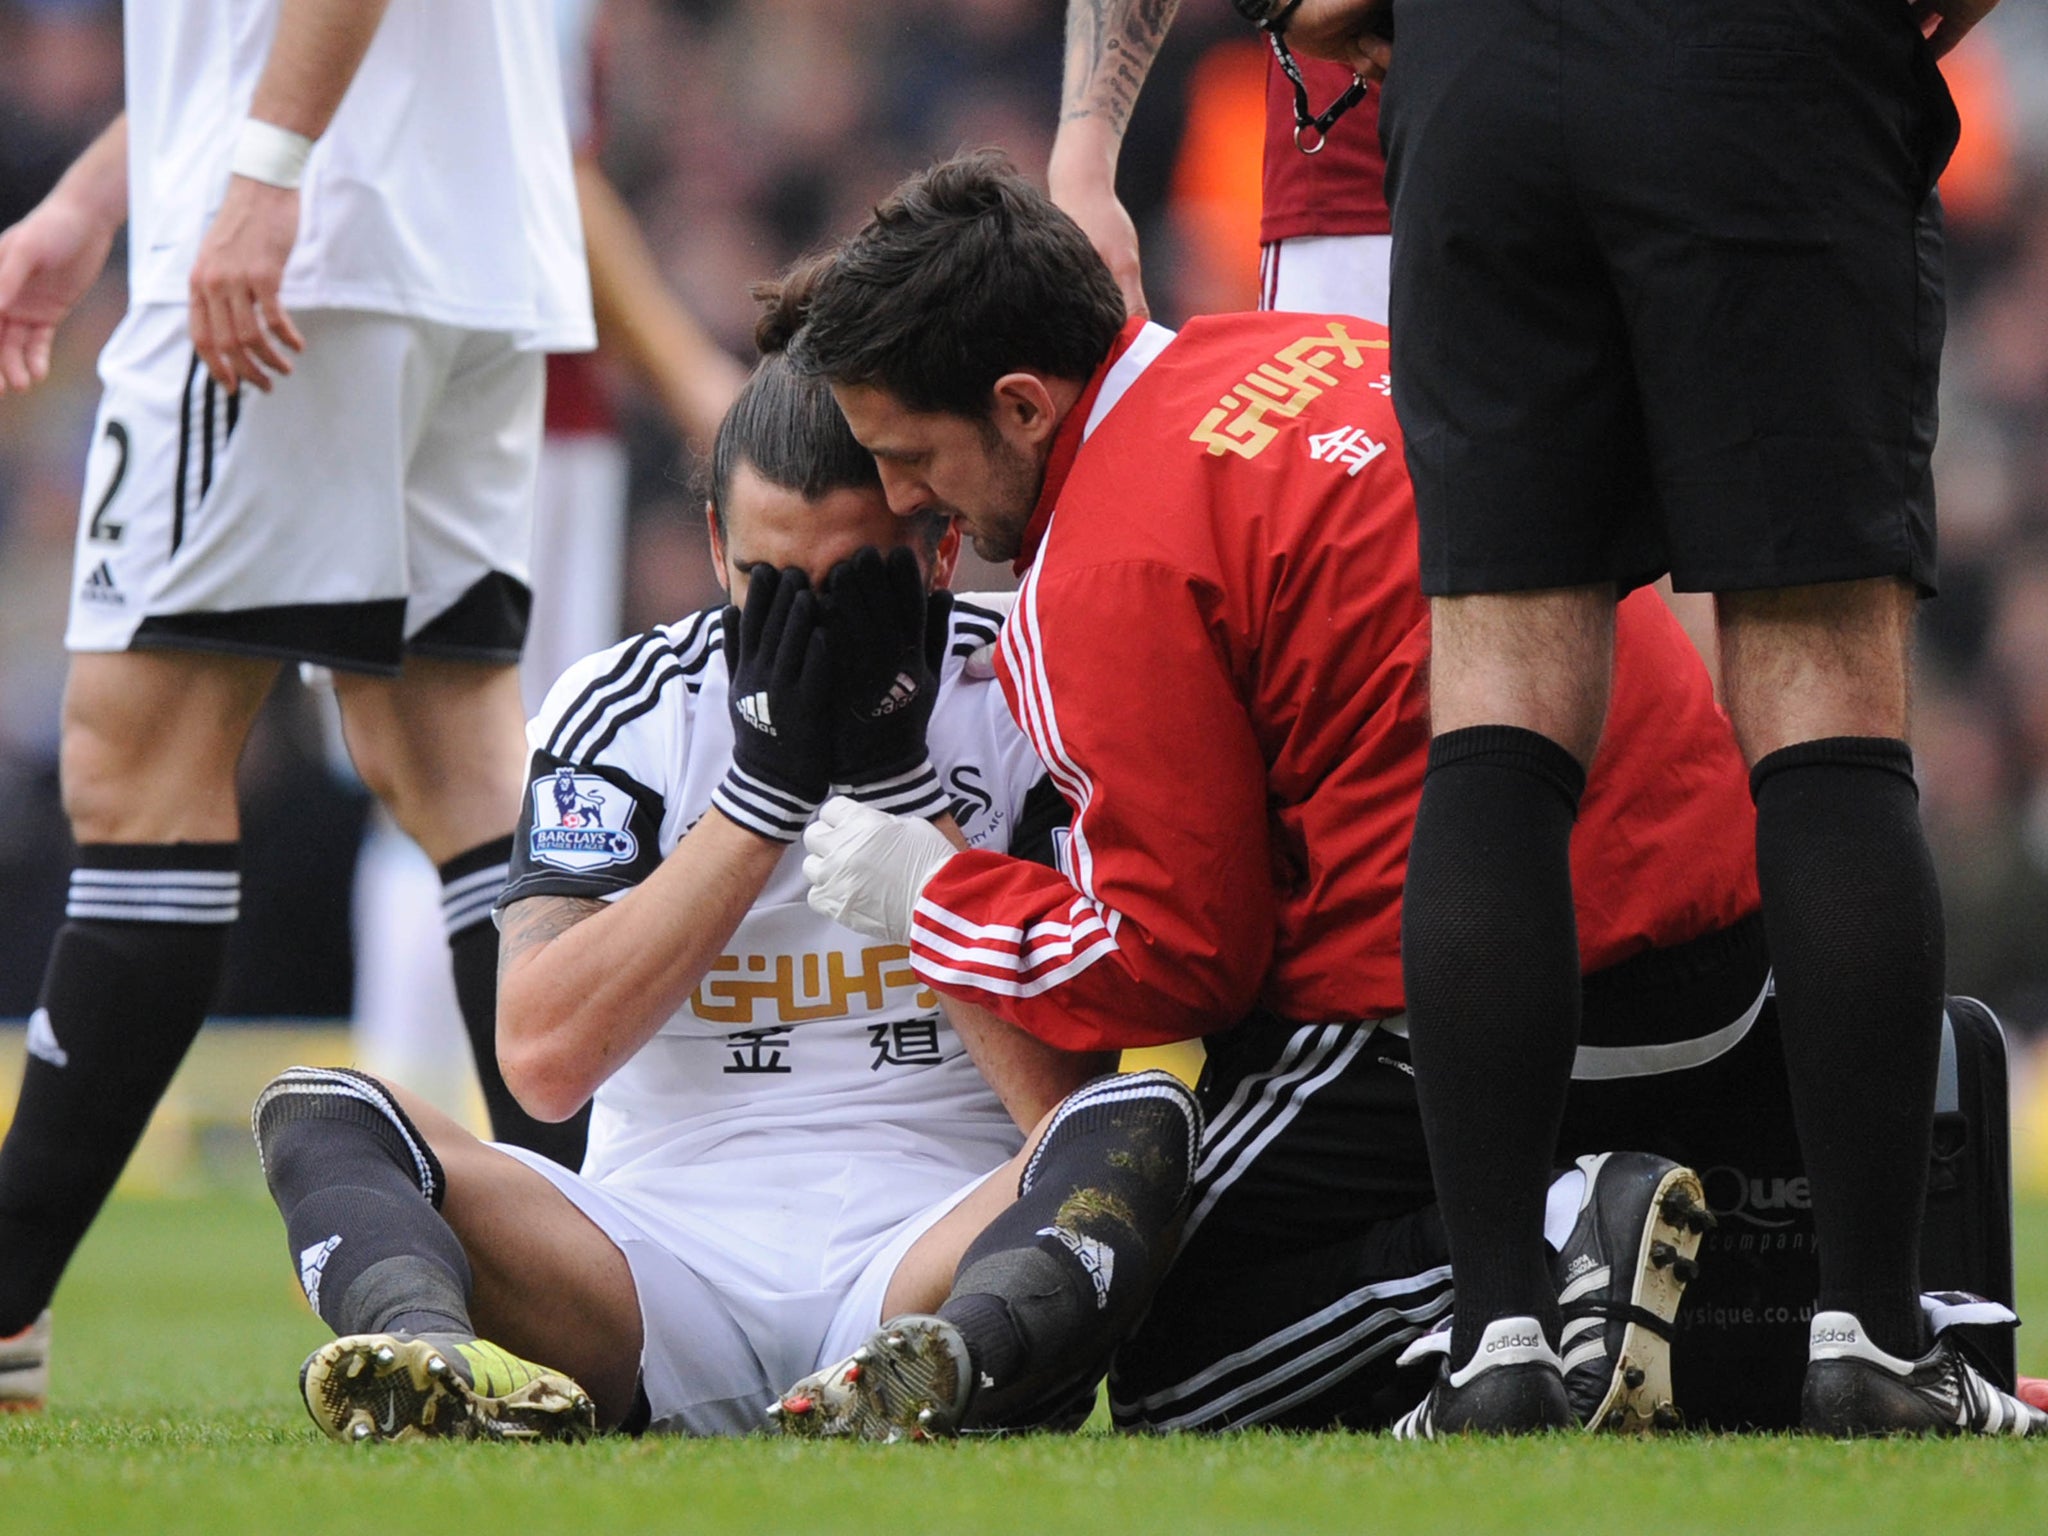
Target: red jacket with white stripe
x,y
1220,650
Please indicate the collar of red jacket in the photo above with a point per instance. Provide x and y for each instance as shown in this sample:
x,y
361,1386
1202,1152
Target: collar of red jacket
x,y
1066,446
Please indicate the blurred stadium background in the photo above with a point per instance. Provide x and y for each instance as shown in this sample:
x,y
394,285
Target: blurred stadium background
x,y
744,132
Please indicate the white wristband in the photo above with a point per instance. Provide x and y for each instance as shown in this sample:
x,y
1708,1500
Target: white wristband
x,y
267,153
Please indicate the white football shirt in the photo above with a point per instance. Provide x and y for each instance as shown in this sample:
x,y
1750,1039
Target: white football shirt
x,y
805,1036
442,190
574,21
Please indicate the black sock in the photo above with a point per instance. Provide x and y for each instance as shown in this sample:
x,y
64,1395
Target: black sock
x,y
1853,917
129,980
360,1192
1045,1293
1490,961
470,884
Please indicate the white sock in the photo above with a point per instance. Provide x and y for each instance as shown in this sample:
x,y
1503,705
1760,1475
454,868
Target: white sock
x,y
1561,1208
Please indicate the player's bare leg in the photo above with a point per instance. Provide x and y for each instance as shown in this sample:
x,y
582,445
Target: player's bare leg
x,y
1518,695
151,740
447,1268
150,744
529,1248
1005,1313
443,745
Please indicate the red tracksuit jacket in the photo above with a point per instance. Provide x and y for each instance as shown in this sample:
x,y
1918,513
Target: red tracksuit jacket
x,y
1220,651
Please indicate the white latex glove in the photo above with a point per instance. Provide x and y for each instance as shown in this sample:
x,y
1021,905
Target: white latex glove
x,y
867,867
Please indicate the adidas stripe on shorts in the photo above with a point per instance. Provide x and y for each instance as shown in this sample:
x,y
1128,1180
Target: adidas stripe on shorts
x,y
377,502
1312,1254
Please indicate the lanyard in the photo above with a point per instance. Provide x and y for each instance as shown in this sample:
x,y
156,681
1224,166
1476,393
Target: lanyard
x,y
1311,129
1305,122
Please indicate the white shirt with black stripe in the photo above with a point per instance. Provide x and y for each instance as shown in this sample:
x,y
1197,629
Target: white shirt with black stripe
x,y
804,1035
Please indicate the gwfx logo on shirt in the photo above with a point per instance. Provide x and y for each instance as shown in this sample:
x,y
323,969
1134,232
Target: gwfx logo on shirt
x,y
1298,375
755,990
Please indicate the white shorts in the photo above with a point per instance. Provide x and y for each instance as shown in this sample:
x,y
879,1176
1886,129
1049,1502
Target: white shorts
x,y
731,1311
377,502
1327,275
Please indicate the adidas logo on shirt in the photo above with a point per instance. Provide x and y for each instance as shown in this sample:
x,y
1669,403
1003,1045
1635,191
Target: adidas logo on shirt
x,y
754,710
100,586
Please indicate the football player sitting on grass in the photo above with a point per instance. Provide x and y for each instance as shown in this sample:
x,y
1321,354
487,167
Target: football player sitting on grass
x,y
791,1141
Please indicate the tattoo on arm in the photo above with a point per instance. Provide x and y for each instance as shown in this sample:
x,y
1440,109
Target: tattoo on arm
x,y
1110,48
536,921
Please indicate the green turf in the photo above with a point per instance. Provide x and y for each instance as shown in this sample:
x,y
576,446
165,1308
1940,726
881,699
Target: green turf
x,y
175,1410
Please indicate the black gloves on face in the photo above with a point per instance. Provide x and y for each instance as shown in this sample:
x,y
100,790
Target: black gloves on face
x,y
833,692
888,639
780,701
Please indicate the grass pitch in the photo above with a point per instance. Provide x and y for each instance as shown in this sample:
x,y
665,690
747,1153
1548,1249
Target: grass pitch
x,y
180,1332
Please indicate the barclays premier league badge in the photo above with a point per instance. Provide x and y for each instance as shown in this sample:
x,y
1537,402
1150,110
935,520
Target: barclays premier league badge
x,y
579,822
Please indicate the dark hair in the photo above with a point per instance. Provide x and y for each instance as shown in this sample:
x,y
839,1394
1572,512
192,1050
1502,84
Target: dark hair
x,y
965,273
784,423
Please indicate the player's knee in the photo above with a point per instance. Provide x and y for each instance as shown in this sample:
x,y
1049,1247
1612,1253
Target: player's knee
x,y
373,740
149,750
447,762
96,783
305,1115
1167,1125
1157,1123
121,789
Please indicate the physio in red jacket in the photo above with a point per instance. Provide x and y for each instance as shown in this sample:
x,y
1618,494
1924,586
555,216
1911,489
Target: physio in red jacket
x,y
1220,651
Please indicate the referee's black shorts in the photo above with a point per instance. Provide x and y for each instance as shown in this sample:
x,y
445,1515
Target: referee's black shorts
x,y
1667,290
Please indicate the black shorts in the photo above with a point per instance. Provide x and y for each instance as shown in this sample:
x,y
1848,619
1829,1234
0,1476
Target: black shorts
x,y
1667,290
1314,1254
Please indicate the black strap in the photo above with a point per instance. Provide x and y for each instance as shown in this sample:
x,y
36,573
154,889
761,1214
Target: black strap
x,y
1306,122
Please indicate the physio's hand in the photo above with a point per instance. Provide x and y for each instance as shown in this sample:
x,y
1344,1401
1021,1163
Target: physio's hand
x,y
886,651
47,262
239,328
781,680
1083,186
867,868
1349,32
2033,1390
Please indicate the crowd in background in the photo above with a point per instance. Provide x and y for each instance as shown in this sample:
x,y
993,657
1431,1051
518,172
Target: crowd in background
x,y
745,132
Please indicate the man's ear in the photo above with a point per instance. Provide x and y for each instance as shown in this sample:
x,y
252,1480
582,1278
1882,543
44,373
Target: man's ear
x,y
1029,409
946,556
717,549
